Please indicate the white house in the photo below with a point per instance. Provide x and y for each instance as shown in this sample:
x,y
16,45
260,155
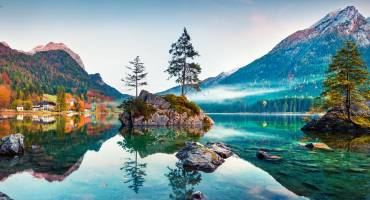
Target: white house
x,y
19,108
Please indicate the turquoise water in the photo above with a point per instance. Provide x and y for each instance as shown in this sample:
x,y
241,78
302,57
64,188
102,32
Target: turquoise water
x,y
94,159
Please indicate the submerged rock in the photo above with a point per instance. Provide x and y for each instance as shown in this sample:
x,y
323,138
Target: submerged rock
x,y
266,156
197,195
333,122
195,156
4,196
12,145
166,113
318,145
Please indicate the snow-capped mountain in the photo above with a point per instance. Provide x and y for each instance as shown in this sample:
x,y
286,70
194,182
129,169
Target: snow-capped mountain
x,y
58,46
297,65
346,22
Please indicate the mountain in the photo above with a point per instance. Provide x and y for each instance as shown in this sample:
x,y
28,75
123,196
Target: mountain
x,y
44,71
58,46
293,68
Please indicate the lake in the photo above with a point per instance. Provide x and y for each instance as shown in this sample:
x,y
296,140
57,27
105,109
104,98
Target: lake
x,y
92,158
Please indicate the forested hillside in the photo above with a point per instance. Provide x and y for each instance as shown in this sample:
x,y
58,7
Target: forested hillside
x,y
44,72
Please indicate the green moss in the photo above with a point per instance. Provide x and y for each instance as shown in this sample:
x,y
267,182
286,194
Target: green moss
x,y
362,121
181,104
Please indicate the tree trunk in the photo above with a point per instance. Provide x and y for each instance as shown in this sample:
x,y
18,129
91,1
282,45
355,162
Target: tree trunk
x,y
348,99
136,85
183,78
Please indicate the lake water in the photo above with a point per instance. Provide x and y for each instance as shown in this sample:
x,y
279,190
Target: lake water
x,y
91,158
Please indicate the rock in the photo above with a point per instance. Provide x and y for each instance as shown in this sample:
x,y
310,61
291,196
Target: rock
x,y
220,148
332,122
266,156
156,101
164,114
197,195
195,156
4,196
357,170
318,145
12,145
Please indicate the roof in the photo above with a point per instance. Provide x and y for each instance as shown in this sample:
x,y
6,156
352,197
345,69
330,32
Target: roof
x,y
44,103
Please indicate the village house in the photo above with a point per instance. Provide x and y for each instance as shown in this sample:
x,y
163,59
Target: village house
x,y
44,106
20,108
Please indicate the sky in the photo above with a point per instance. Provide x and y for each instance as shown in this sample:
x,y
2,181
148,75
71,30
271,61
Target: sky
x,y
228,34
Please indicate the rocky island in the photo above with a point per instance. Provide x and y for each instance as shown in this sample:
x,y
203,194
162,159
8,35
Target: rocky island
x,y
333,121
168,110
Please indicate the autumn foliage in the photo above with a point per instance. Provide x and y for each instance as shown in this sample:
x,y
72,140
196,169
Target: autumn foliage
x,y
5,95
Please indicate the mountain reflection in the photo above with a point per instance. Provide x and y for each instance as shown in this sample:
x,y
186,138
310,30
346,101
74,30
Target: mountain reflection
x,y
54,150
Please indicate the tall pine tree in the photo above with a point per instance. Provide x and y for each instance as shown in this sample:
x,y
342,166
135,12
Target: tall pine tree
x,y
137,74
347,84
186,72
61,100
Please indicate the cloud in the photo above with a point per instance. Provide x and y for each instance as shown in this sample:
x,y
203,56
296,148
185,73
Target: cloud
x,y
222,93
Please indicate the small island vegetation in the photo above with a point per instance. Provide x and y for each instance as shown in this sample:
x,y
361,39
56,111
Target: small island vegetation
x,y
346,94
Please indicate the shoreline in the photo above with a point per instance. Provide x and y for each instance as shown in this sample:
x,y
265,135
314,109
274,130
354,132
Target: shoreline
x,y
30,113
269,114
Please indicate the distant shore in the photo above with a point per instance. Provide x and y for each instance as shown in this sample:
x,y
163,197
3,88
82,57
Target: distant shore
x,y
30,112
270,114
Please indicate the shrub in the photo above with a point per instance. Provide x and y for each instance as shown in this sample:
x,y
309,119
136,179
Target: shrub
x,y
181,104
138,107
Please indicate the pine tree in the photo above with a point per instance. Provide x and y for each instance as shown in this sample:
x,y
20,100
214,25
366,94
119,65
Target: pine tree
x,y
61,100
347,84
186,72
136,76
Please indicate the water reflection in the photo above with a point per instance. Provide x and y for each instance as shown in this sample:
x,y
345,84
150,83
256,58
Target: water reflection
x,y
151,140
134,173
54,149
316,174
146,141
182,181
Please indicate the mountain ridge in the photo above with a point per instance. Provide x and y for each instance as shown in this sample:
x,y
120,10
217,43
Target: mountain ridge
x,y
44,71
58,46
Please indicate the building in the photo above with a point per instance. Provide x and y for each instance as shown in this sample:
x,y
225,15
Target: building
x,y
20,108
44,106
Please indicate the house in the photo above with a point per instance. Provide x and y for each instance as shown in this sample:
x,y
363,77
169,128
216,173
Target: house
x,y
19,108
44,105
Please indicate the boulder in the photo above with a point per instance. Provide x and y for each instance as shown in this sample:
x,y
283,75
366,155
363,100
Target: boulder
x,y
195,156
220,148
197,195
164,114
157,101
4,196
333,122
318,145
266,156
12,145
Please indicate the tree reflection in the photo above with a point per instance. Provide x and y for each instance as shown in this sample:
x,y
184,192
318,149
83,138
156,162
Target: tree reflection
x,y
182,182
134,171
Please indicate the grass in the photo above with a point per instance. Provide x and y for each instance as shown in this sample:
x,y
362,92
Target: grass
x,y
361,121
181,104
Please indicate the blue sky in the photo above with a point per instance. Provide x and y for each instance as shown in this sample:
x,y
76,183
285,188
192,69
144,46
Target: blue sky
x,y
107,34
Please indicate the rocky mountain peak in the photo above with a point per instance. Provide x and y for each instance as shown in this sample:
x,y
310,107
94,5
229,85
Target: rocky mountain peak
x,y
58,46
5,44
347,21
